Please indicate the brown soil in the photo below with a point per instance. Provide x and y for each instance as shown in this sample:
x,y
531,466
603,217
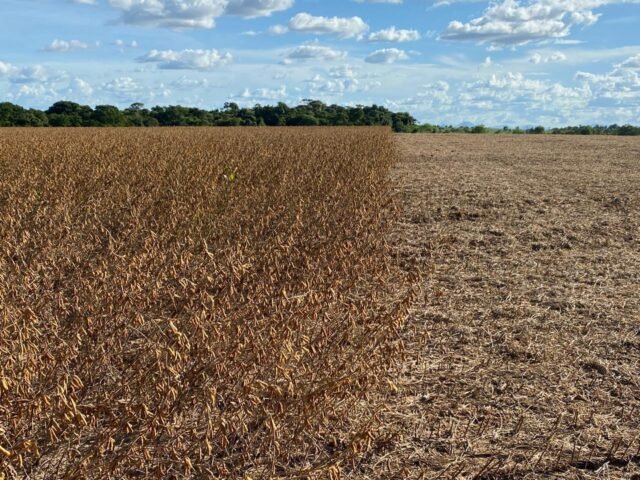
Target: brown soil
x,y
524,355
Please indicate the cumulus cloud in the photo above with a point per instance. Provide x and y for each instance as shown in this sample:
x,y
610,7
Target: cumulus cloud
x,y
352,27
341,80
6,68
80,87
29,74
632,63
257,8
185,83
622,83
122,44
43,90
122,86
509,98
435,95
66,45
343,71
31,82
514,88
278,30
39,91
552,57
171,13
386,55
512,22
187,59
182,14
313,52
125,90
262,94
394,35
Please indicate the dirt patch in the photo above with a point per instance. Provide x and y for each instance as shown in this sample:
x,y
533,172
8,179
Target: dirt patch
x,y
524,354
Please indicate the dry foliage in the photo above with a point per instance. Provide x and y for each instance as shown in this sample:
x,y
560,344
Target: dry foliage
x,y
193,302
523,357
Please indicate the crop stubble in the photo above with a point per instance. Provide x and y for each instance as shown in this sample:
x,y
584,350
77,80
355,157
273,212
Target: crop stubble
x,y
523,357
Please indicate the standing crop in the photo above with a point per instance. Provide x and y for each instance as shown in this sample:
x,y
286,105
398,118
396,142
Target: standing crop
x,y
192,302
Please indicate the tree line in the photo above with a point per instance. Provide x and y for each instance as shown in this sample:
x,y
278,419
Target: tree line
x,y
309,113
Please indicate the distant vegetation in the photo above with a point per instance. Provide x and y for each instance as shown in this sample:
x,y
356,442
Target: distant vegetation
x,y
309,113
574,130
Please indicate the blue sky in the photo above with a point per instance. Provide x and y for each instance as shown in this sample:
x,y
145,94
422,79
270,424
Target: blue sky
x,y
507,62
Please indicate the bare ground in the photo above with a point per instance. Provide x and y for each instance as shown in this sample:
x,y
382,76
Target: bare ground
x,y
524,354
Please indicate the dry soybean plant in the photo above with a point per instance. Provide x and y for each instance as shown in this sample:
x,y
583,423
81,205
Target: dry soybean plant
x,y
193,303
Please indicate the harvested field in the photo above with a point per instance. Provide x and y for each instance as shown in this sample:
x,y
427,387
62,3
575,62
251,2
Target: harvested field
x,y
524,355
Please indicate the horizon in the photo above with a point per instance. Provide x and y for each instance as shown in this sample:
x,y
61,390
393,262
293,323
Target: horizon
x,y
527,128
539,62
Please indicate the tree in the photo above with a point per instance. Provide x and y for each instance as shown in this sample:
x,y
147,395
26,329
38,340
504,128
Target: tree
x,y
302,120
9,114
628,130
108,115
400,121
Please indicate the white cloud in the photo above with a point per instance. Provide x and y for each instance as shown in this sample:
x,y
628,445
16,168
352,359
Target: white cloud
x,y
512,22
123,89
510,88
257,8
171,13
187,59
394,35
552,57
620,84
51,89
80,87
189,83
434,95
66,45
446,3
341,80
631,63
278,30
38,91
386,55
263,94
352,27
182,14
343,72
122,44
313,52
509,98
6,69
29,74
